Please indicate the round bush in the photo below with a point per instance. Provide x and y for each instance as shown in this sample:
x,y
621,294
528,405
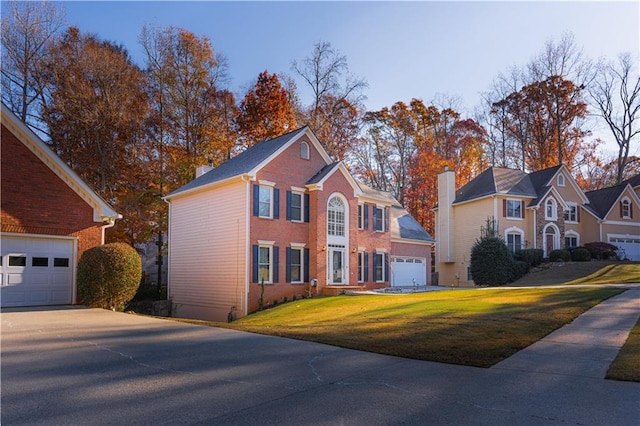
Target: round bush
x,y
491,262
520,269
109,276
580,254
560,255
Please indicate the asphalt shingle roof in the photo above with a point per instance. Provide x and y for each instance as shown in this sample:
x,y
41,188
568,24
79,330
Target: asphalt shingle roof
x,y
601,200
242,163
404,226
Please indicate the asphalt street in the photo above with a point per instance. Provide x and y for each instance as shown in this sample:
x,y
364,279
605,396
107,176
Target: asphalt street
x,y
79,366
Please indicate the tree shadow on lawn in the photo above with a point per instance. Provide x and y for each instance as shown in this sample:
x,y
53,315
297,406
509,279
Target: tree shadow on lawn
x,y
478,331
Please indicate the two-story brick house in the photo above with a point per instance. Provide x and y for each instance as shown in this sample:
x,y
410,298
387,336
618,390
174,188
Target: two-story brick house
x,y
283,214
545,210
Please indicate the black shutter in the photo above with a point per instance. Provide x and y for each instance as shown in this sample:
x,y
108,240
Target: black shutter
x,y
256,200
288,206
366,216
276,203
306,265
306,208
254,276
288,265
276,264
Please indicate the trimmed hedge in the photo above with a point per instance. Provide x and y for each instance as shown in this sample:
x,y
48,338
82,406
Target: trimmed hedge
x,y
109,276
560,255
580,254
601,251
533,257
492,263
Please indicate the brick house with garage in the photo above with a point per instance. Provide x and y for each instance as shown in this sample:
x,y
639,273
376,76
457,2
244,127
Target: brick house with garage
x,y
544,210
48,218
283,214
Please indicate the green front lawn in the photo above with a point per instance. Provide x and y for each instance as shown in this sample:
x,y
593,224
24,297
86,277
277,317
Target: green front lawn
x,y
468,327
617,273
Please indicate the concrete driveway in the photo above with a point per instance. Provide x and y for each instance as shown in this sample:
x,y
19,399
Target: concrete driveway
x,y
82,366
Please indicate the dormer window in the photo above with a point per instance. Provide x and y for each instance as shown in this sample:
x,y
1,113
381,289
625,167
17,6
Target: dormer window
x,y
550,209
560,179
304,150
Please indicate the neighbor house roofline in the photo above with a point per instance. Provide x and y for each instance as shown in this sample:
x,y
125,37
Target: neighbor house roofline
x,y
102,211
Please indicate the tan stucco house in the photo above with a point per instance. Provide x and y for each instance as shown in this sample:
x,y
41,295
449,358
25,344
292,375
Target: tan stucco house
x,y
545,210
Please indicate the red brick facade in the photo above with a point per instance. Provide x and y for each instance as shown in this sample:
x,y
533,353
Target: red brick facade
x,y
290,170
36,201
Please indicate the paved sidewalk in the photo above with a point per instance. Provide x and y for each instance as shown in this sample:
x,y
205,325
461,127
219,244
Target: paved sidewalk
x,y
585,347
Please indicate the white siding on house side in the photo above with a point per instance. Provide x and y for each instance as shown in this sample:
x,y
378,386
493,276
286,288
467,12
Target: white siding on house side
x,y
208,252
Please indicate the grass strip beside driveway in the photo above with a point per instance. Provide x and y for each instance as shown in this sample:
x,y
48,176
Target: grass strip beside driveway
x,y
468,327
618,273
626,366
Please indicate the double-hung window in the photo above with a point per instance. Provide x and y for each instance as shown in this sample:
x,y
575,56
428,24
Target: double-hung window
x,y
265,201
514,209
514,241
378,267
571,215
378,219
295,264
264,264
296,206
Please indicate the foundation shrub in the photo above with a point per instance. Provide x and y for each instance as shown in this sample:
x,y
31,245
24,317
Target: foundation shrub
x,y
109,276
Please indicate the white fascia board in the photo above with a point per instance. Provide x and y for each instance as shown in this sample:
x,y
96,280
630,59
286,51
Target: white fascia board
x,y
223,182
634,196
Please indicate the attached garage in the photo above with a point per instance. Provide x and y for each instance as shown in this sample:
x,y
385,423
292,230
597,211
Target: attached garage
x,y
408,271
628,246
48,218
36,271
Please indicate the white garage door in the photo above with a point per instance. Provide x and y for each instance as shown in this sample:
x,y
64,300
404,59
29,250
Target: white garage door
x,y
36,271
629,246
408,271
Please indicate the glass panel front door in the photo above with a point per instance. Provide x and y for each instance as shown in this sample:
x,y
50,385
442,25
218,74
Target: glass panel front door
x,y
337,265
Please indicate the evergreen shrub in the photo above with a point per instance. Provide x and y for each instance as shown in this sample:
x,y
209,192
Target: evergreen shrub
x,y
109,276
492,263
580,254
560,255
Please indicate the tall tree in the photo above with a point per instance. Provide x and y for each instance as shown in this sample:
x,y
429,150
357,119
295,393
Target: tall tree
x,y
615,93
185,74
542,117
97,116
29,30
337,96
265,111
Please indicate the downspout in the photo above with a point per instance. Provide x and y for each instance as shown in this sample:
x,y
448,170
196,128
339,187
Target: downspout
x,y
168,252
535,228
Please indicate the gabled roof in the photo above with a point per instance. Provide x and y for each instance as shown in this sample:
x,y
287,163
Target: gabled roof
x,y
405,227
514,182
317,181
102,212
601,201
634,181
250,161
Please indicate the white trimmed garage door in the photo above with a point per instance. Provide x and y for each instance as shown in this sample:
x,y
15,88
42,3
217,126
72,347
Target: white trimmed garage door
x,y
408,271
630,245
36,271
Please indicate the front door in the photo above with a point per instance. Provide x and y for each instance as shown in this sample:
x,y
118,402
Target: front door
x,y
336,265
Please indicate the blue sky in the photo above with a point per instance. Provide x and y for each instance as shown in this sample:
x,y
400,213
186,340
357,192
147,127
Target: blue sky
x,y
402,49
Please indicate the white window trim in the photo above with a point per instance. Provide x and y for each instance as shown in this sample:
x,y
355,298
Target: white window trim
x,y
269,245
513,230
572,233
561,180
303,155
572,204
361,207
521,209
361,265
338,239
299,247
373,214
382,253
628,201
300,192
270,188
554,211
